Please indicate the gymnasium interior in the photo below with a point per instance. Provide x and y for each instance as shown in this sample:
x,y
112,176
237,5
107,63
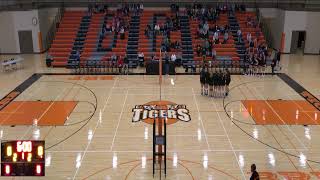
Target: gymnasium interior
x,y
177,90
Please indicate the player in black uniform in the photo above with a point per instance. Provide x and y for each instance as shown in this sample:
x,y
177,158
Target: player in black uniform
x,y
210,84
207,79
223,84
202,80
228,80
219,82
215,83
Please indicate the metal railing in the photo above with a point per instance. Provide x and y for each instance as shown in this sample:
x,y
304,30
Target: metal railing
x,y
264,28
284,4
53,29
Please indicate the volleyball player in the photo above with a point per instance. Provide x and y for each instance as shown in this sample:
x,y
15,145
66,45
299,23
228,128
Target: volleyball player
x,y
215,83
202,80
228,80
206,85
210,84
220,83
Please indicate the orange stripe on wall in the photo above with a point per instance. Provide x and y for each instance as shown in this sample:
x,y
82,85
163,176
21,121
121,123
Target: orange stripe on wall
x,y
40,41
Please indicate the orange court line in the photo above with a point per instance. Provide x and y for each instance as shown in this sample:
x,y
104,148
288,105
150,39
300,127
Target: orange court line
x,y
48,113
280,112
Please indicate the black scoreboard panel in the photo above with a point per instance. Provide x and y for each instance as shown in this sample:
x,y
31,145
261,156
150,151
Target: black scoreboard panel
x,y
22,158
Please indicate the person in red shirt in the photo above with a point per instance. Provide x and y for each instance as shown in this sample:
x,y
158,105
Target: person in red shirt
x,y
120,64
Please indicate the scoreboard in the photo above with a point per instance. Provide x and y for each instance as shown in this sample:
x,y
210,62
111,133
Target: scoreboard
x,y
22,158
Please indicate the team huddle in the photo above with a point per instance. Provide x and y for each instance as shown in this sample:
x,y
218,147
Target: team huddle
x,y
215,84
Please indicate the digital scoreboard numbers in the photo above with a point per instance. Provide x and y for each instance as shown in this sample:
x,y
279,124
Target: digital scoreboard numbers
x,y
22,158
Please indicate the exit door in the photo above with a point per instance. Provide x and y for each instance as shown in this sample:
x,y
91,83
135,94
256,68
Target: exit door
x,y
25,41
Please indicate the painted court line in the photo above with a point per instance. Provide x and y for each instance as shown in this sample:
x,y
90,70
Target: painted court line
x,y
290,130
93,133
120,117
230,143
200,118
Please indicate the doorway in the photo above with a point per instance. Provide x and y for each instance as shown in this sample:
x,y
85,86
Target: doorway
x,y
297,42
25,41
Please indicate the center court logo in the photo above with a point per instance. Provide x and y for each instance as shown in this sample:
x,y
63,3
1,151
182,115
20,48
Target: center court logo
x,y
153,110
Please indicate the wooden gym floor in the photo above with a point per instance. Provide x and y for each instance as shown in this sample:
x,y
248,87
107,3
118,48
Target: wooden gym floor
x,y
88,129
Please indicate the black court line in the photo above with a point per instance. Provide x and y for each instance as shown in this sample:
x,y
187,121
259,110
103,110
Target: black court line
x,y
19,89
313,100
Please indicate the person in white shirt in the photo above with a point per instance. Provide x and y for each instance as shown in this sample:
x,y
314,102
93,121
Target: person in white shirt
x,y
157,28
173,57
141,58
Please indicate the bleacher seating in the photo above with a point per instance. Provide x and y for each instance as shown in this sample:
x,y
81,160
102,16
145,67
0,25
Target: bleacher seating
x,y
80,32
65,37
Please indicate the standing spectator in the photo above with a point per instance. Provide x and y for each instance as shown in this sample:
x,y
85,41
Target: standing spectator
x,y
120,64
173,57
273,65
125,64
255,174
141,59
278,56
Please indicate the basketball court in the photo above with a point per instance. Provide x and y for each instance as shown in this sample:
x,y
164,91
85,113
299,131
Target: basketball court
x,y
86,122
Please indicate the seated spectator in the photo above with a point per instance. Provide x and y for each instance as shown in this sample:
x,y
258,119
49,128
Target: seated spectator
x,y
153,57
217,41
225,37
177,45
141,59
222,30
213,53
108,28
122,35
78,55
114,57
146,32
249,37
207,45
173,57
249,22
198,50
204,51
216,36
226,28
49,60
239,34
251,46
157,29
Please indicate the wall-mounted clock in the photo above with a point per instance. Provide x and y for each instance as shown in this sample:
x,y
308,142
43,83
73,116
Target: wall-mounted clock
x,y
34,21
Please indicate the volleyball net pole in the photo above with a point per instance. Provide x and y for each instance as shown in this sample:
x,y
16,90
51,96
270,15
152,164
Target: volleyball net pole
x,y
160,73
